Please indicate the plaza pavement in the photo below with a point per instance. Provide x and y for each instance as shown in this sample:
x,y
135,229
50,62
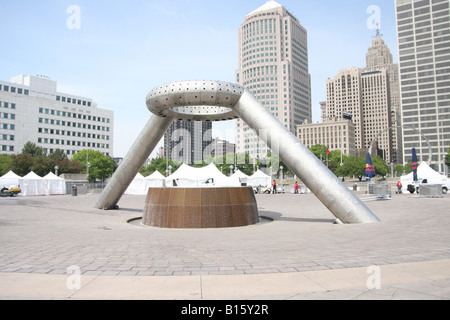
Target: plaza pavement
x,y
300,255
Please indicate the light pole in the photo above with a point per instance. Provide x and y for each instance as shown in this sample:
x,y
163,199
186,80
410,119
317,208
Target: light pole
x,y
56,170
281,168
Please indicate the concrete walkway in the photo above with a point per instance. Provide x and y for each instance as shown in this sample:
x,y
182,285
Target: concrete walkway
x,y
422,280
301,254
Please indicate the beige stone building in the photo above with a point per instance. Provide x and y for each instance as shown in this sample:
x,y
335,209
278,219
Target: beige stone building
x,y
379,57
335,135
370,96
273,65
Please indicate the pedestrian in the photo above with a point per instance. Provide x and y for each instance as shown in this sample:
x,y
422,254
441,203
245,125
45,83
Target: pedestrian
x,y
274,190
296,187
399,186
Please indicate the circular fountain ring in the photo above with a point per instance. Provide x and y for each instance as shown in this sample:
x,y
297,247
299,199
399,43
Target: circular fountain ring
x,y
195,100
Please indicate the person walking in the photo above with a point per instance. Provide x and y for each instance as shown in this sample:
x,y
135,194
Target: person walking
x,y
274,190
399,186
296,187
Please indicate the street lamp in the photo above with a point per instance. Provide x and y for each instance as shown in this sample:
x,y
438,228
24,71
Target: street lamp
x,y
170,170
231,169
281,168
56,170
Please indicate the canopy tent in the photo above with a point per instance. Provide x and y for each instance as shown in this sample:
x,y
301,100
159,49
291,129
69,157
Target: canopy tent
x,y
9,179
156,179
259,178
189,176
32,185
137,186
424,172
54,185
239,174
239,177
140,184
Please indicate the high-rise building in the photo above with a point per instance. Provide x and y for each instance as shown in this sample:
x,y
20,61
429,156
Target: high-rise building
x,y
273,65
186,141
370,98
423,28
379,57
32,110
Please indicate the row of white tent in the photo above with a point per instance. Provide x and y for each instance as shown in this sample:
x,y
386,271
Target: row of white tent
x,y
187,176
34,185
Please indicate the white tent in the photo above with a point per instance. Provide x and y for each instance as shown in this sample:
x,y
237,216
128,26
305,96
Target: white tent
x,y
206,176
259,178
54,185
424,172
155,180
137,186
240,177
141,184
9,179
32,185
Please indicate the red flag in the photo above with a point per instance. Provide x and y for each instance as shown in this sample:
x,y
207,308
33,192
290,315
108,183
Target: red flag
x,y
328,152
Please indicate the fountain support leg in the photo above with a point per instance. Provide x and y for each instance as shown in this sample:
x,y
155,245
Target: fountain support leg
x,y
318,178
133,162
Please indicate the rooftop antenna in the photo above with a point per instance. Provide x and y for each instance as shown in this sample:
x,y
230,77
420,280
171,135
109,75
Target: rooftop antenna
x,y
378,35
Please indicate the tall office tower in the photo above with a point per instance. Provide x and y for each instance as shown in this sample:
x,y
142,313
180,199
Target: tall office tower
x,y
273,65
362,96
344,97
424,53
379,57
33,110
186,141
370,96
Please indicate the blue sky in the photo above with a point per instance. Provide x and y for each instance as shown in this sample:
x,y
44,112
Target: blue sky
x,y
115,52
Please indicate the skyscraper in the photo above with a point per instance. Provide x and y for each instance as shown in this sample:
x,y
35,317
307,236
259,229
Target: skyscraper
x,y
379,57
423,28
370,96
186,141
273,65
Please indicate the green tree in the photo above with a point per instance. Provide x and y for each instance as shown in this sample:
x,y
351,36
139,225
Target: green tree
x,y
398,170
21,164
353,167
5,164
160,165
101,166
32,149
41,165
381,168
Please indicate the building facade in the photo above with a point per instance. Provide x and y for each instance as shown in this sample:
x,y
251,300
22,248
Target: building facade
x,y
187,141
335,135
423,28
32,110
223,147
379,57
273,65
369,96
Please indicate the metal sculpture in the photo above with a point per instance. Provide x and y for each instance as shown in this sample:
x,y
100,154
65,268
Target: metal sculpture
x,y
219,101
